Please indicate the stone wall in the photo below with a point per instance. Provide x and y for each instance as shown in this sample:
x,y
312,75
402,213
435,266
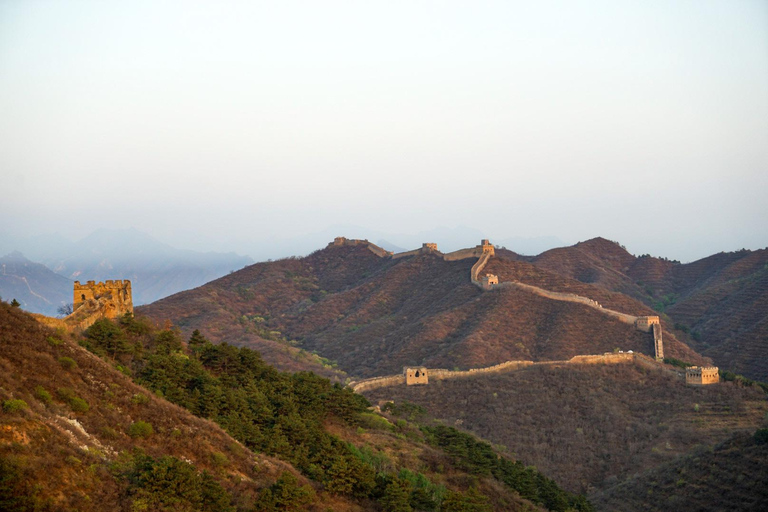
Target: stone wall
x,y
478,267
510,366
340,241
658,343
377,382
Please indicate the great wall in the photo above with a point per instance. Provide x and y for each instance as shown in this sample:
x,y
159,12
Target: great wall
x,y
484,252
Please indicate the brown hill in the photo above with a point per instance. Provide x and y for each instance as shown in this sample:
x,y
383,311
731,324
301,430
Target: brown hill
x,y
69,417
590,426
718,305
729,476
374,315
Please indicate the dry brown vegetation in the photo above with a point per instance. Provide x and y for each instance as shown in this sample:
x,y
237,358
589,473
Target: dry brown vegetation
x,y
373,316
589,426
718,305
64,452
728,476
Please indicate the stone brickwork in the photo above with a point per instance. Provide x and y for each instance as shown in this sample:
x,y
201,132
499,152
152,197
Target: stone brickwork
x,y
702,376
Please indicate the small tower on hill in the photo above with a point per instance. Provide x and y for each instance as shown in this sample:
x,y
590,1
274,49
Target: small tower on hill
x,y
415,375
488,281
701,376
113,296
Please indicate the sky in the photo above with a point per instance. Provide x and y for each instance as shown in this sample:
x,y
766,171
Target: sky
x,y
223,125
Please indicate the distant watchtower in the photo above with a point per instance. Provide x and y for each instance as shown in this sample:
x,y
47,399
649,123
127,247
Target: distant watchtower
x,y
489,281
115,296
415,375
698,376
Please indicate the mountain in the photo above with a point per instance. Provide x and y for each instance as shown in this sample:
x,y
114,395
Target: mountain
x,y
35,286
374,315
718,305
155,269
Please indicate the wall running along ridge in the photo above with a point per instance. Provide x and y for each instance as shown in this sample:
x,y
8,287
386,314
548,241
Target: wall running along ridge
x,y
485,251
510,366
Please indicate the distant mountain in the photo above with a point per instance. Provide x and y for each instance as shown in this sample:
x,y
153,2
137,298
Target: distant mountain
x,y
35,286
155,269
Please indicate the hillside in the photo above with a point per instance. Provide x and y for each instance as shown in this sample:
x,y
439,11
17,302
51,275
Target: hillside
x,y
76,433
718,305
590,426
36,287
374,315
59,451
729,476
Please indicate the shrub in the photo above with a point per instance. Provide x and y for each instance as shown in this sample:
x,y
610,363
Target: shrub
x,y
14,405
77,404
140,399
219,459
761,436
53,341
67,363
140,429
43,395
109,433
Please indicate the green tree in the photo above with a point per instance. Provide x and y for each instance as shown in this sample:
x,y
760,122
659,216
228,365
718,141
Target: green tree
x,y
397,496
285,494
106,336
471,501
15,303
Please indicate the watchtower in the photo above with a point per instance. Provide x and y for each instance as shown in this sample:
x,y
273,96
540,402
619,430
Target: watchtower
x,y
701,376
486,247
114,296
488,281
415,375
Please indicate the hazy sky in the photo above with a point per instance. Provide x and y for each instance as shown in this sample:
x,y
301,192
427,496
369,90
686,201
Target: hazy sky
x,y
215,125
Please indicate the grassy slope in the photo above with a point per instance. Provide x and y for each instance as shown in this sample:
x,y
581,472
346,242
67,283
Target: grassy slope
x,y
588,426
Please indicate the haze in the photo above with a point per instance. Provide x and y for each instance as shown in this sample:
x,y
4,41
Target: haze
x,y
223,125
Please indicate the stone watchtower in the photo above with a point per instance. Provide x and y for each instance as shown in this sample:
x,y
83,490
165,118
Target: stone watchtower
x,y
415,375
113,296
698,376
489,281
